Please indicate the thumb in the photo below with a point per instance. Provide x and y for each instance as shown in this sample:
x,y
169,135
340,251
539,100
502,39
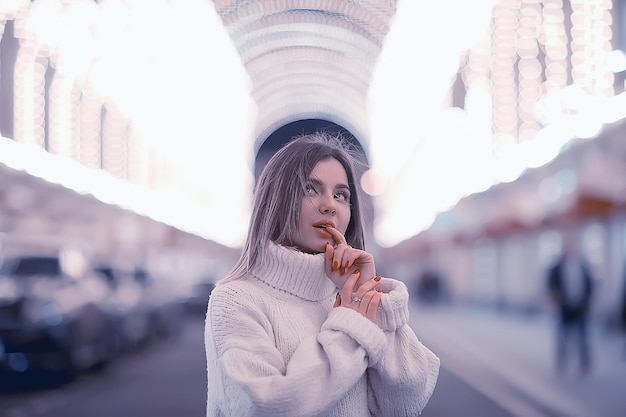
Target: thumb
x,y
337,300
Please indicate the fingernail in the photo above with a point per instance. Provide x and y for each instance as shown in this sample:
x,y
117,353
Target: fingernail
x,y
343,270
335,266
346,265
357,271
377,278
379,290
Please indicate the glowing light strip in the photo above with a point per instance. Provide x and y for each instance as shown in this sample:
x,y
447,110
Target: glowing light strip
x,y
34,161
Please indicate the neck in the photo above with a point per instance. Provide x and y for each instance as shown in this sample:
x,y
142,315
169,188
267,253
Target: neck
x,y
296,272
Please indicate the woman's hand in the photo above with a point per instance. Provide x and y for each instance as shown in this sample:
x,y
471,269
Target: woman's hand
x,y
365,299
342,260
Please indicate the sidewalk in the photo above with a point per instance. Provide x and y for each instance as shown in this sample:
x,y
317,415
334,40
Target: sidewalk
x,y
510,358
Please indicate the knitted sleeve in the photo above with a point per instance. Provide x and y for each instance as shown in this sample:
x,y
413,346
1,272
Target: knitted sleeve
x,y
248,376
403,380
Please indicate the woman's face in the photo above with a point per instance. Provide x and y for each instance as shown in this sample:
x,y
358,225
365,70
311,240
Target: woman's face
x,y
326,202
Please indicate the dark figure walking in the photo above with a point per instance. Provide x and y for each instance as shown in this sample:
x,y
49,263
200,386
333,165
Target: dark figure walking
x,y
571,288
623,317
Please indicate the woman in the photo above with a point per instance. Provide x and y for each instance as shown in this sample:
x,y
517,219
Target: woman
x,y
302,326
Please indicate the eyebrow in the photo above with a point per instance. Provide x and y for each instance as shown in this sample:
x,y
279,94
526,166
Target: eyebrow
x,y
317,182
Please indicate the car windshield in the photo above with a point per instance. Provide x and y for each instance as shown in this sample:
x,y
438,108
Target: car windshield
x,y
34,266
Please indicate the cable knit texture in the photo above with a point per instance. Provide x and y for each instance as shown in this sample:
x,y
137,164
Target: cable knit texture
x,y
275,346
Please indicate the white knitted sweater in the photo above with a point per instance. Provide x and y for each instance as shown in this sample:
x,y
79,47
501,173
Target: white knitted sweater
x,y
275,346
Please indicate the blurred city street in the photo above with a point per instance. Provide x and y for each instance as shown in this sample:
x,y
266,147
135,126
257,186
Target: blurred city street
x,y
510,358
166,379
492,365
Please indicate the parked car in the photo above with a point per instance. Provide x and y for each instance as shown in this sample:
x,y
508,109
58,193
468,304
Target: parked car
x,y
166,301
130,309
199,298
53,323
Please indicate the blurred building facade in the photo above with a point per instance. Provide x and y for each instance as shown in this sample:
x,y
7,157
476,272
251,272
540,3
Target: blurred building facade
x,y
494,248
65,132
546,65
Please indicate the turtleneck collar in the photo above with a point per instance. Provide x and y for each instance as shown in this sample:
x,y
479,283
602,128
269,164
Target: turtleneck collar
x,y
295,272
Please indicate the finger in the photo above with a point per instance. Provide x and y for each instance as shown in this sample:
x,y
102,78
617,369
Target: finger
x,y
329,252
372,306
337,236
334,275
351,257
341,258
348,286
337,260
365,301
368,285
337,300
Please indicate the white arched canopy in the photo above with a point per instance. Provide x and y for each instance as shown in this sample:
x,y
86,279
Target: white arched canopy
x,y
310,58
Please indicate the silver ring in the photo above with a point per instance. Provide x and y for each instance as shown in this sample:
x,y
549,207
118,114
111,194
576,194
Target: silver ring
x,y
355,299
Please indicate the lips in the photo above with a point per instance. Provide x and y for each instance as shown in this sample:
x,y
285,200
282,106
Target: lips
x,y
323,224
321,228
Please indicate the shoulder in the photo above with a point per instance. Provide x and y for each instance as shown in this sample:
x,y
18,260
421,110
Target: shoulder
x,y
235,301
237,291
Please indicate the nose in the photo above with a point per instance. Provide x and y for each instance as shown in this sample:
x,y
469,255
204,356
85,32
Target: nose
x,y
327,204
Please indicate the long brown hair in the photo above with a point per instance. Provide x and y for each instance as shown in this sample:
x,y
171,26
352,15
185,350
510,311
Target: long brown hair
x,y
280,189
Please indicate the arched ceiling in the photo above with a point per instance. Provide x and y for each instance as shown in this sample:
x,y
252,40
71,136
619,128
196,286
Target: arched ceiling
x,y
308,58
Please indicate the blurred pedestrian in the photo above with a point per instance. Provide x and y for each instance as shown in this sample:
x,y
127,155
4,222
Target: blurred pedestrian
x,y
302,325
623,316
429,286
571,288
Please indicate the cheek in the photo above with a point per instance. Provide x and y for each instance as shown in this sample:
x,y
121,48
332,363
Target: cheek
x,y
306,217
345,220
306,211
